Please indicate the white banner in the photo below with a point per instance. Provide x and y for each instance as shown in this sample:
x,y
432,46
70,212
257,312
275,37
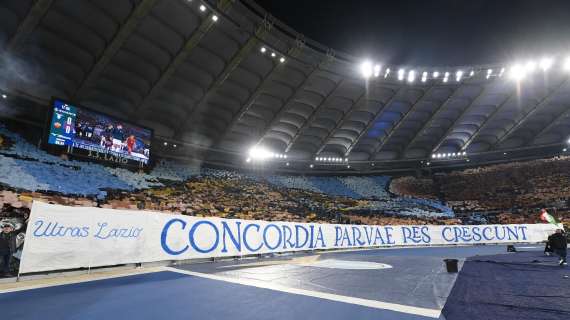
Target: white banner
x,y
60,237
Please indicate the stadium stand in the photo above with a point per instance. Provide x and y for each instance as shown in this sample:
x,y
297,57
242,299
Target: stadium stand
x,y
175,187
481,195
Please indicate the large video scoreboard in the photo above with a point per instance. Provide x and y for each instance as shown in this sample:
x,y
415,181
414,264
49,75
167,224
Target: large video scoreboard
x,y
98,136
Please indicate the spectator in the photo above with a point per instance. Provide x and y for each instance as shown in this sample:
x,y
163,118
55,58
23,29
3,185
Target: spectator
x,y
7,247
559,245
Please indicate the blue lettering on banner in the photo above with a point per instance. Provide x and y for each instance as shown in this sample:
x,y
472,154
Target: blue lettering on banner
x,y
465,234
298,243
321,238
236,240
54,229
105,233
235,236
164,234
193,239
266,241
287,235
245,237
416,234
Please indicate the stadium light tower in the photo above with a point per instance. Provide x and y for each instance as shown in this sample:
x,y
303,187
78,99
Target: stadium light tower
x,y
366,69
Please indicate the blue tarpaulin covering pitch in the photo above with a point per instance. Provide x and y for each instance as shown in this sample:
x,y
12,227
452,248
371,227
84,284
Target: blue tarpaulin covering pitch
x,y
524,285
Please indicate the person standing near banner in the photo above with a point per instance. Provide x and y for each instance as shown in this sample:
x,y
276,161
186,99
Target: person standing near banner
x,y
7,247
559,245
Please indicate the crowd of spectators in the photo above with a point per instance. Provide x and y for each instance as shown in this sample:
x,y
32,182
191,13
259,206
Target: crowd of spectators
x,y
506,193
187,188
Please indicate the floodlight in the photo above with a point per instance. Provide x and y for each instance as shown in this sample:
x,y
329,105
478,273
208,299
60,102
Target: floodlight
x,y
458,75
311,166
517,72
263,49
377,69
273,54
401,73
214,18
472,73
545,63
411,76
282,59
4,96
387,73
435,74
259,153
202,8
366,69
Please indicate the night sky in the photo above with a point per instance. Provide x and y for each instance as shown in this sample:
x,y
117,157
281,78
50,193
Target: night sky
x,y
432,32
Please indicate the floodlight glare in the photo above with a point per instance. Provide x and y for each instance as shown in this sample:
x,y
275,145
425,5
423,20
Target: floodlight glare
x,y
517,72
401,73
545,63
377,69
366,69
458,75
435,74
567,64
472,73
273,54
263,49
259,153
530,66
411,76
282,59
214,18
202,8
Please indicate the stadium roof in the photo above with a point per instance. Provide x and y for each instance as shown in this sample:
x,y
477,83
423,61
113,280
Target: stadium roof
x,y
195,72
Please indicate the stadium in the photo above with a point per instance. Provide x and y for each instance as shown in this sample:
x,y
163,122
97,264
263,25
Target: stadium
x,y
187,159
